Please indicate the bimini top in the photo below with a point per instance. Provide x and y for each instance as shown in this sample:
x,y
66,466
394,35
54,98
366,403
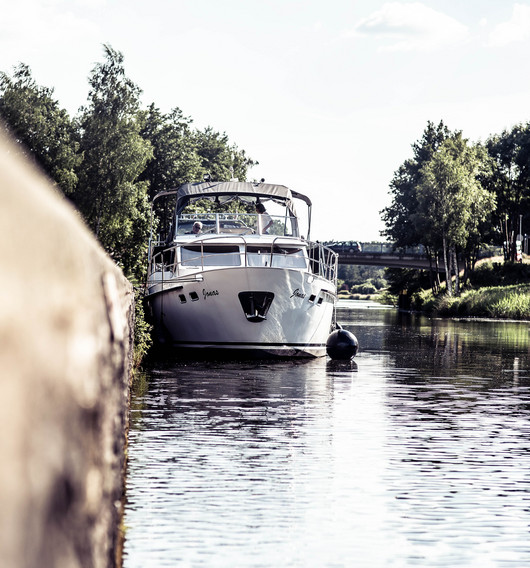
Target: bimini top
x,y
231,189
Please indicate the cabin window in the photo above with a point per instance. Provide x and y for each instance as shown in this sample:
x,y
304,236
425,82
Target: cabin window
x,y
210,255
282,257
288,257
258,256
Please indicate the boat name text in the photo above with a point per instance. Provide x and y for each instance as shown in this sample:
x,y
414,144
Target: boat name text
x,y
296,293
209,293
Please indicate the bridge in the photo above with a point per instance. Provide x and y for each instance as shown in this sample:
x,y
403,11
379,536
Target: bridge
x,y
384,254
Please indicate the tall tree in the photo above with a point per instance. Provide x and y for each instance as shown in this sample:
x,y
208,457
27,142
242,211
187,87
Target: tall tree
x,y
220,159
439,200
44,130
403,225
400,216
510,180
451,200
181,154
110,195
175,157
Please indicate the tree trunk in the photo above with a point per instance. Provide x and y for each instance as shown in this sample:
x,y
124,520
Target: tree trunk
x,y
457,272
432,274
438,282
448,281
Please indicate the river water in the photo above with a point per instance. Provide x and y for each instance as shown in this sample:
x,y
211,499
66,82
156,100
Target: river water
x,y
416,453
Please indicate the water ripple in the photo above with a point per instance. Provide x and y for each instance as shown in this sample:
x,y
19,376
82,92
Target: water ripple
x,y
416,455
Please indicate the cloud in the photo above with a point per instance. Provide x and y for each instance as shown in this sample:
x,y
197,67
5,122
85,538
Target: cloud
x,y
516,29
29,25
411,26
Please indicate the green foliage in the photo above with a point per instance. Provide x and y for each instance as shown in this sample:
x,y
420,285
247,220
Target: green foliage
x,y
220,159
454,197
510,180
440,201
181,154
499,274
361,280
43,129
175,154
353,275
514,305
402,226
109,195
504,302
142,331
451,200
366,288
406,279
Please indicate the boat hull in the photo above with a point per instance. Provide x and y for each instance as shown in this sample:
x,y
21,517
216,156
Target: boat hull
x,y
213,313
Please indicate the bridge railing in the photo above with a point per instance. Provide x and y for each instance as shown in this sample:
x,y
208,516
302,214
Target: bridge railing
x,y
356,247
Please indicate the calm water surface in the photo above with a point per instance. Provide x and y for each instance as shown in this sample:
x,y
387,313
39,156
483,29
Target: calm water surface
x,y
416,453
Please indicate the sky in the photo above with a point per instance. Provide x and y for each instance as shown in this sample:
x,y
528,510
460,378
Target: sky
x,y
328,96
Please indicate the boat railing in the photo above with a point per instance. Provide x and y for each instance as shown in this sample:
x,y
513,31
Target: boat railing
x,y
323,261
214,253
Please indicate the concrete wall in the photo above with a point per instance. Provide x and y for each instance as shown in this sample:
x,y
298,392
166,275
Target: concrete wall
x,y
66,316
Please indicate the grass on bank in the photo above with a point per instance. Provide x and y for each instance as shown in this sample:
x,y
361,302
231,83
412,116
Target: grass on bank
x,y
502,302
497,290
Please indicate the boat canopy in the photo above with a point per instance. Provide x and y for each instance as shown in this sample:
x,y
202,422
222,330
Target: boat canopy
x,y
231,189
225,191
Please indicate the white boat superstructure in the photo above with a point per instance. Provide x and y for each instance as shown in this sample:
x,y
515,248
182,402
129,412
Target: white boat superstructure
x,y
235,284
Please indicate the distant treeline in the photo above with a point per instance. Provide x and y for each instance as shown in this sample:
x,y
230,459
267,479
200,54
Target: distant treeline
x,y
453,196
360,279
113,156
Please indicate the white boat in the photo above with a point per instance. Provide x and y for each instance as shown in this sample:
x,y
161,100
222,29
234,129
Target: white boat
x,y
237,285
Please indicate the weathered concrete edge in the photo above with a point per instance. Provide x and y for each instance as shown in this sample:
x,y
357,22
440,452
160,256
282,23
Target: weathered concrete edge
x,y
66,341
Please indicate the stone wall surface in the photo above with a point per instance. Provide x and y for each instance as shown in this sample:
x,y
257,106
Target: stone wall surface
x,y
66,321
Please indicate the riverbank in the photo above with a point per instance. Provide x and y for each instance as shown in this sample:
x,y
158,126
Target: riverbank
x,y
501,302
497,290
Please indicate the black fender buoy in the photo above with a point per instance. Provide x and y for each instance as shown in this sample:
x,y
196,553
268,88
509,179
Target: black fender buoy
x,y
342,344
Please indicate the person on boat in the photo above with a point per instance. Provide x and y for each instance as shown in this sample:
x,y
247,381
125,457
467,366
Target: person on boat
x,y
264,219
197,228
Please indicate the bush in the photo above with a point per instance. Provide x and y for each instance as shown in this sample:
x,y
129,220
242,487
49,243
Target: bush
x,y
142,331
366,288
497,274
379,283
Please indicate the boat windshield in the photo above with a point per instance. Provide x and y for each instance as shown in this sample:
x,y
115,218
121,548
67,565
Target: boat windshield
x,y
236,224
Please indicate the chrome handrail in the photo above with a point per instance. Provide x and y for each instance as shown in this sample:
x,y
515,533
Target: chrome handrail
x,y
321,260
